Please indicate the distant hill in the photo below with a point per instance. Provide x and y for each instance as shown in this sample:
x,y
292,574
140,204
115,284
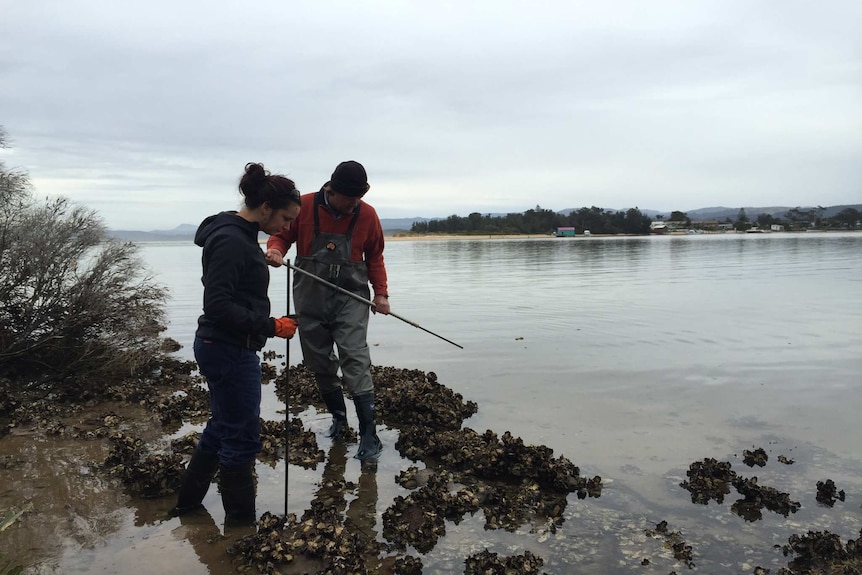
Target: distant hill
x,y
183,232
391,225
648,213
186,232
722,213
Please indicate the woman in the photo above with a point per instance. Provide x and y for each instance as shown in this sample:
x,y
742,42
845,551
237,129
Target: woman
x,y
233,328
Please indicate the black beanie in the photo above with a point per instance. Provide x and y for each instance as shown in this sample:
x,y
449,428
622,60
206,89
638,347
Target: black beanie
x,y
350,179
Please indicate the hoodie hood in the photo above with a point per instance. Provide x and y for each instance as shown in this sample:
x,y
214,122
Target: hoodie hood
x,y
216,222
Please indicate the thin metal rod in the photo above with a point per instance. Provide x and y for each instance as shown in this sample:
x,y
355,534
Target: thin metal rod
x,y
368,302
286,402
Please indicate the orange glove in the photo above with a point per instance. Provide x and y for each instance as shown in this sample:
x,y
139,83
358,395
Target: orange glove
x,y
285,327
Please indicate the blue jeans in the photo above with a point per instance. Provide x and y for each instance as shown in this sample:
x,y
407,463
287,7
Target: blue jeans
x,y
233,377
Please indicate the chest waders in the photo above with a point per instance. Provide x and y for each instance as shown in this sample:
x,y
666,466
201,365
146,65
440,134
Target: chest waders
x,y
329,319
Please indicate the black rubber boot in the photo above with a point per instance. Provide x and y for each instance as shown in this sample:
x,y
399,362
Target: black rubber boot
x,y
238,494
196,482
334,401
369,443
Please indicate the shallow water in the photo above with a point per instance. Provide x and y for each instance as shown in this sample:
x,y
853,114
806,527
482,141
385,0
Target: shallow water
x,y
632,357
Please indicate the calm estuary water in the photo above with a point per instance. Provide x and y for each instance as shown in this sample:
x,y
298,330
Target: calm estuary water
x,y
632,357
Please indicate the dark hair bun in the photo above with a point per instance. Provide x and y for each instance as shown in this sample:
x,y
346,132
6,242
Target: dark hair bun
x,y
255,172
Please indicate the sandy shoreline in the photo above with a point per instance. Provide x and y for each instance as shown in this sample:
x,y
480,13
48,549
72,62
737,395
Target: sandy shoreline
x,y
410,236
402,237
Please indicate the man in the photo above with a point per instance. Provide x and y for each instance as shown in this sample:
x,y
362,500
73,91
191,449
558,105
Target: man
x,y
339,239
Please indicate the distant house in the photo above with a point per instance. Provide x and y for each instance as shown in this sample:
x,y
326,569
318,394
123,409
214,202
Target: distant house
x,y
565,232
776,228
658,227
706,225
676,225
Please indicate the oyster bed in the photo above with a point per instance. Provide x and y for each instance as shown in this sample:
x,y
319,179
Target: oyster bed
x,y
459,487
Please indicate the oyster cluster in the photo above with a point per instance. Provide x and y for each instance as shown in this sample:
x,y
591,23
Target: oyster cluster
x,y
410,397
302,451
755,457
186,444
828,494
296,387
318,541
756,497
711,479
190,404
822,552
487,563
144,473
419,518
402,397
674,541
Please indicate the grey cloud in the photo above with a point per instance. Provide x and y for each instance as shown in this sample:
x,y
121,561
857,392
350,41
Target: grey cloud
x,y
479,106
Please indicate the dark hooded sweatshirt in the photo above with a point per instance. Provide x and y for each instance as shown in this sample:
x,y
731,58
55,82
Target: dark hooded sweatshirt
x,y
236,279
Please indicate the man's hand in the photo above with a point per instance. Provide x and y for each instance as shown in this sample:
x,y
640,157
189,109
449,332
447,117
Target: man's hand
x,y
381,304
274,257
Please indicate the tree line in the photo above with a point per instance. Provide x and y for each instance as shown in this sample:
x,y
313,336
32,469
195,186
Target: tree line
x,y
540,221
800,219
600,221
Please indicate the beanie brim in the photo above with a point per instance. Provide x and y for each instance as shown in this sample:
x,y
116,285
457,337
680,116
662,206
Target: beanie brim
x,y
349,179
353,192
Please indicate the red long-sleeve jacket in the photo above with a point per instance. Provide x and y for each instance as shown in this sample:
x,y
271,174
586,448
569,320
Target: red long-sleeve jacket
x,y
367,242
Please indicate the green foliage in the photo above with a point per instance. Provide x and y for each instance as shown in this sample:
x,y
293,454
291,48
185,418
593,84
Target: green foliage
x,y
12,516
6,568
766,220
677,216
540,221
798,218
742,223
848,218
72,303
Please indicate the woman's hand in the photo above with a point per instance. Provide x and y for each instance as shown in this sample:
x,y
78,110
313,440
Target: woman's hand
x,y
274,257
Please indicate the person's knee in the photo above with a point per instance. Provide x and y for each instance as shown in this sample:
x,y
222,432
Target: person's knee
x,y
327,383
358,383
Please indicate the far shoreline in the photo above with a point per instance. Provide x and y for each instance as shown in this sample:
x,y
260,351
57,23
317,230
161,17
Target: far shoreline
x,y
413,236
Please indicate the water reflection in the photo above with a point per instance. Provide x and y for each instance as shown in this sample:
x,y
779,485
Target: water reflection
x,y
361,513
362,510
206,539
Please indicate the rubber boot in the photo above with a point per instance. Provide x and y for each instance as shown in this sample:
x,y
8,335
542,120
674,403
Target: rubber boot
x,y
196,482
334,401
369,443
238,494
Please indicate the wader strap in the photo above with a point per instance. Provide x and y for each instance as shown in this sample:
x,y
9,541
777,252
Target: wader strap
x,y
319,201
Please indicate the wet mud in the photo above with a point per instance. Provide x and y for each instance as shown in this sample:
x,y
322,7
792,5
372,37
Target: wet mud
x,y
452,475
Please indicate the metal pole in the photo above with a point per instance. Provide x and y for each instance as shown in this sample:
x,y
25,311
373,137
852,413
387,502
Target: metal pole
x,y
286,401
364,300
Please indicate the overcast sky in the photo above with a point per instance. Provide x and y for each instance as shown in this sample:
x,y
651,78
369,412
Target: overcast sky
x,y
148,111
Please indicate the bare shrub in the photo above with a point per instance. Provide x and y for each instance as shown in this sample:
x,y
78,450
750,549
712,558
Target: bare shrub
x,y
72,302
